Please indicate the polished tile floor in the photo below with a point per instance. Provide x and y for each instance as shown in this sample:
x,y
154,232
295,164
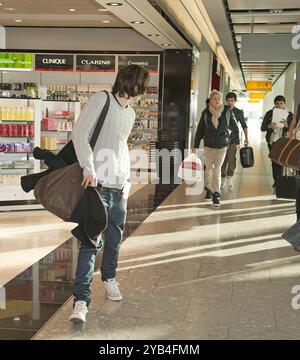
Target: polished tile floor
x,y
191,272
38,262
187,272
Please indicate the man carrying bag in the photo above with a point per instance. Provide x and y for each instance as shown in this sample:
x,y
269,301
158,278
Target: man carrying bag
x,y
106,167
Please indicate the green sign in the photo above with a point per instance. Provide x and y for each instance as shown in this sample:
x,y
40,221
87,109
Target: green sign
x,y
13,61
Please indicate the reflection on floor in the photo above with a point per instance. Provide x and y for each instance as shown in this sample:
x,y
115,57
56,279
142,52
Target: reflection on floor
x,y
190,272
37,264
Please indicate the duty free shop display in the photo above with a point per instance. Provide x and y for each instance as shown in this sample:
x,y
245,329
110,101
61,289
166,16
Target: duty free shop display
x,y
15,148
16,130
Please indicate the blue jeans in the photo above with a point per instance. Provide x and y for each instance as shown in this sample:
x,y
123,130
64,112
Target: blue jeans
x,y
116,211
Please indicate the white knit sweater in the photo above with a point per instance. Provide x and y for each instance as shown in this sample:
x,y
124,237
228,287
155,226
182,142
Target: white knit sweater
x,y
113,171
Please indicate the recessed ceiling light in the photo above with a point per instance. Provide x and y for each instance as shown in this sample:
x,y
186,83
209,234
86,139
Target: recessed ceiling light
x,y
276,11
18,20
102,10
10,9
114,4
72,10
106,21
1,4
153,35
137,22
166,45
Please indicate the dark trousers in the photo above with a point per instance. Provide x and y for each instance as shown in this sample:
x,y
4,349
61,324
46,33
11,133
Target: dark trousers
x,y
229,164
276,169
298,195
116,210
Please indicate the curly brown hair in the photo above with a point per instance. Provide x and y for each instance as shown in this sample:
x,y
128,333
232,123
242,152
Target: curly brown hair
x,y
131,81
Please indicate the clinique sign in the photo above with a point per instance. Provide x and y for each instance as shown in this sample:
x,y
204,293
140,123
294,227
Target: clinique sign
x,y
49,62
55,61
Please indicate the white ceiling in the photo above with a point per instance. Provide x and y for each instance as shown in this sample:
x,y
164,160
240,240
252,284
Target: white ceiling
x,y
258,17
263,4
57,13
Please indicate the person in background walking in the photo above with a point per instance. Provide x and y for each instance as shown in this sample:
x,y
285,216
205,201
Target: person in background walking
x,y
229,165
215,127
294,132
274,132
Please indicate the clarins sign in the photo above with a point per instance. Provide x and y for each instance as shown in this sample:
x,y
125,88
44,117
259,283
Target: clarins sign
x,y
95,63
49,62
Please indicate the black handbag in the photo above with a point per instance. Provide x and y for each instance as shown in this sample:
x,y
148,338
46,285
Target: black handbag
x,y
286,187
247,157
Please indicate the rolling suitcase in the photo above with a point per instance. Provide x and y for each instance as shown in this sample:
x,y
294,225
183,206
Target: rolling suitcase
x,y
286,187
292,235
247,157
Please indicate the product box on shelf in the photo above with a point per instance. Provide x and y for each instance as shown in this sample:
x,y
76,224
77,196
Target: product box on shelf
x,y
16,130
49,143
17,113
7,148
10,179
61,114
48,124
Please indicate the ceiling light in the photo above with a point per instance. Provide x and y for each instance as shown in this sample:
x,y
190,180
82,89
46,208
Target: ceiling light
x,y
114,4
72,10
1,4
166,45
18,20
153,35
276,11
106,21
137,22
102,10
10,9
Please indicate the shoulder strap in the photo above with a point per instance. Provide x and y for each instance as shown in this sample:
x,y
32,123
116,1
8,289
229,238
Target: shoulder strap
x,y
205,119
100,122
228,116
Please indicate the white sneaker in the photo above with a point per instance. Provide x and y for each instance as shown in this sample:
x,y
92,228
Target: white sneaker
x,y
230,182
79,312
224,182
112,290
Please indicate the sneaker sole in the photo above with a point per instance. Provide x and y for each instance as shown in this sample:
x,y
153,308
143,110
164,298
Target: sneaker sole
x,y
216,206
77,321
114,298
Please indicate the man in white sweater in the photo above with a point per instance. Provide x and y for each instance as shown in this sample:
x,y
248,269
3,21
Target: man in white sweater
x,y
108,168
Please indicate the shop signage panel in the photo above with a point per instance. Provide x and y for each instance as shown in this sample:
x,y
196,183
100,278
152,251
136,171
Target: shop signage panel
x,y
150,63
259,96
52,62
253,101
271,47
15,61
259,85
95,63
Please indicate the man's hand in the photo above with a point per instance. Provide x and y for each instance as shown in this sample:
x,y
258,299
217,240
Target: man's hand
x,y
246,143
194,151
238,146
286,124
273,125
89,181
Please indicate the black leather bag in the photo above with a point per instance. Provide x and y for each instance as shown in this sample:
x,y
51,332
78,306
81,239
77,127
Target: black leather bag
x,y
286,187
247,157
